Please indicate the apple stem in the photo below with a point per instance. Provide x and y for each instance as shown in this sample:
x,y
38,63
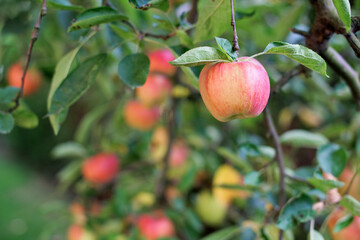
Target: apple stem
x,y
235,41
34,37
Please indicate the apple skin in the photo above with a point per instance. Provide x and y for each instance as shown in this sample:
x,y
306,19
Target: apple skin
x,y
155,226
352,232
234,90
178,154
209,209
33,79
77,232
139,116
158,144
159,62
155,90
226,174
101,168
345,177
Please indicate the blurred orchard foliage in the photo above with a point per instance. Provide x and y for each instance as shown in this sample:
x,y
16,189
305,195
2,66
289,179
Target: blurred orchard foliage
x,y
171,170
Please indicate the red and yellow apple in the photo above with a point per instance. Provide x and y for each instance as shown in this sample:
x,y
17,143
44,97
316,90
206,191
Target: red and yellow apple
x,y
101,168
178,154
155,226
139,116
155,90
77,232
233,90
159,143
227,175
351,232
209,209
346,177
159,62
32,81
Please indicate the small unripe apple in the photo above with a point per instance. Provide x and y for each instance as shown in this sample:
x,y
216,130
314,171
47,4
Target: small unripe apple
x,y
227,175
233,90
210,210
139,116
77,232
351,232
159,143
155,226
101,168
143,199
159,62
155,90
32,81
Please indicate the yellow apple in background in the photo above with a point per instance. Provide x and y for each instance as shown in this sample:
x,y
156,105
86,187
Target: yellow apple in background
x,y
209,209
227,175
158,144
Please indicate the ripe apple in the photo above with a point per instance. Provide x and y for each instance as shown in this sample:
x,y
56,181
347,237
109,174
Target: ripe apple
x,y
345,177
78,212
155,90
33,78
210,210
352,232
178,154
234,90
159,62
77,232
101,168
139,116
159,143
155,226
227,175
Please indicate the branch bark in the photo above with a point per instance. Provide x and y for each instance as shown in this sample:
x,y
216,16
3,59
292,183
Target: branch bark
x,y
233,24
34,37
286,78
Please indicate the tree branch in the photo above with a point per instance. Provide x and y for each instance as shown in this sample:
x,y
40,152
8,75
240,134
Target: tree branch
x,y
233,24
279,158
34,37
343,69
353,42
286,78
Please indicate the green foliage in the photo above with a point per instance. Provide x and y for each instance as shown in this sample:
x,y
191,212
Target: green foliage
x,y
223,234
343,222
344,10
6,122
63,5
351,205
302,138
332,158
134,69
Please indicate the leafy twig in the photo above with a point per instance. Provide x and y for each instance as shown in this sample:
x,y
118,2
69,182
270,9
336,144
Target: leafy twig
x,y
34,37
279,158
233,24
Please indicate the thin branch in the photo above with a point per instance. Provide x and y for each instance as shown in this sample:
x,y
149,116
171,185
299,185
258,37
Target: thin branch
x,y
305,34
266,165
351,182
233,24
280,160
286,78
164,37
297,179
344,70
192,16
34,37
355,24
354,42
163,181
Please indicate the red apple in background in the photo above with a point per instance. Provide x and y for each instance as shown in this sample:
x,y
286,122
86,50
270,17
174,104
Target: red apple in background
x,y
346,177
234,90
155,226
352,232
139,116
33,78
159,62
156,88
101,168
179,153
77,232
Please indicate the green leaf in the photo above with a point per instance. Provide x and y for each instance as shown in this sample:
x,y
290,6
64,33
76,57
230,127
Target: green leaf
x,y
344,10
69,150
76,84
24,117
61,71
6,123
96,16
302,138
214,19
200,56
332,159
184,38
134,69
223,234
226,47
234,158
252,178
343,222
315,235
237,187
69,174
187,180
351,204
63,5
193,80
324,185
146,4
8,94
299,53
297,210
